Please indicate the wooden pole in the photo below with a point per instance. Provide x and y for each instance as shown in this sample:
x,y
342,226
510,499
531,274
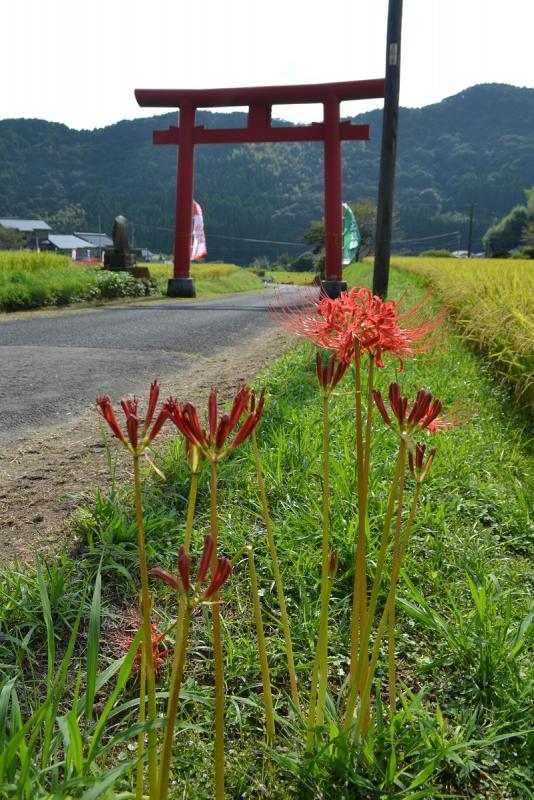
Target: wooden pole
x,y
333,220
470,235
384,217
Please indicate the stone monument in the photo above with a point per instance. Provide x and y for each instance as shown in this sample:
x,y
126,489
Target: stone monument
x,y
121,258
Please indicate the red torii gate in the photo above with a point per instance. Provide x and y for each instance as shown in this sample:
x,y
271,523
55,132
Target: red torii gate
x,y
260,100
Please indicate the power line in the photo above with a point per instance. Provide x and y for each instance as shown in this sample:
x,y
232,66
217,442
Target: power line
x,y
427,238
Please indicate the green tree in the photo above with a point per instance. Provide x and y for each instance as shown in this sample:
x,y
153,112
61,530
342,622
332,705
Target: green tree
x,y
68,219
365,213
506,234
11,239
527,234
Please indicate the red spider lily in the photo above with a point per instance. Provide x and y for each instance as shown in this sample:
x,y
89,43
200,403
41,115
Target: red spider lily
x,y
331,373
360,317
418,467
424,413
219,578
134,442
212,442
158,654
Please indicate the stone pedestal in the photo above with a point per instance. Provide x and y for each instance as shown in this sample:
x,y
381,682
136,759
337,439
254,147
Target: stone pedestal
x,y
140,273
333,289
118,262
181,287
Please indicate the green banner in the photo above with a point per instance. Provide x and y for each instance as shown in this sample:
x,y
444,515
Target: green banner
x,y
352,237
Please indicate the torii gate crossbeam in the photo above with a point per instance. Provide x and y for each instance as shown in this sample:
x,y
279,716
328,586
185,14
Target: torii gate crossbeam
x,y
260,100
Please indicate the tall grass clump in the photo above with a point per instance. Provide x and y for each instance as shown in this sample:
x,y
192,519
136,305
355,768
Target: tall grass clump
x,y
493,303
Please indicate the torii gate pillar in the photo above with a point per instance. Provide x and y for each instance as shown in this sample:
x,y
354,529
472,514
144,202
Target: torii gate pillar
x,y
260,101
182,284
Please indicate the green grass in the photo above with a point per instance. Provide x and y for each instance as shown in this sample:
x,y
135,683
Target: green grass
x,y
297,278
211,279
465,644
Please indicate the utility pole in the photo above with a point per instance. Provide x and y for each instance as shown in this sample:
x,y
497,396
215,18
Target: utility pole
x,y
470,235
384,216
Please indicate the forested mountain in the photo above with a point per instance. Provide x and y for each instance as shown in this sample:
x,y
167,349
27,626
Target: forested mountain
x,y
475,147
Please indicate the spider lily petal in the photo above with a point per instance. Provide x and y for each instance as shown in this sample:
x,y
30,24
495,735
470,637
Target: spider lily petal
x,y
152,403
166,577
222,432
222,573
184,568
162,417
106,408
241,401
381,407
418,468
209,544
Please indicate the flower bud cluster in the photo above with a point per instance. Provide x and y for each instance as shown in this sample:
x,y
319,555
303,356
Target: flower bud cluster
x,y
139,434
213,441
329,374
182,583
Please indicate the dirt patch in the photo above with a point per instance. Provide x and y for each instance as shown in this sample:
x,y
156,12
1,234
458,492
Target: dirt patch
x,y
46,476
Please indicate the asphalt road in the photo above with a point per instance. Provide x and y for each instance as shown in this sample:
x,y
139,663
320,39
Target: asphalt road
x,y
53,367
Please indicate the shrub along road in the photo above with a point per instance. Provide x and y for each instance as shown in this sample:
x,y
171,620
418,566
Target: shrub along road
x,y
53,367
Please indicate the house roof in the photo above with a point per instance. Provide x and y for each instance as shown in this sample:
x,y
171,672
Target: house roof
x,y
69,242
98,239
25,225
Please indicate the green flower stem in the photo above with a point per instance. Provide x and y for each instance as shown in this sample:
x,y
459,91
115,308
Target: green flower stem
x,y
326,583
191,505
147,632
400,467
390,602
139,783
366,464
310,735
359,601
182,633
391,619
262,650
376,648
181,630
277,575
369,422
217,647
360,668
359,566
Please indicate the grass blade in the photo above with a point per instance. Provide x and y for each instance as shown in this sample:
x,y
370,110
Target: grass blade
x,y
47,614
93,646
122,677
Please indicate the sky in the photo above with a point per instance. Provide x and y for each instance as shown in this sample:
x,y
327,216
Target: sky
x,y
79,63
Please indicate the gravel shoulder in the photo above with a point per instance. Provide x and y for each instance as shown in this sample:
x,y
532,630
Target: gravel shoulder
x,y
46,475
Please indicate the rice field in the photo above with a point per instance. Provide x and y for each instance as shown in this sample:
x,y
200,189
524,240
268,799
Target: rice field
x,y
492,300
